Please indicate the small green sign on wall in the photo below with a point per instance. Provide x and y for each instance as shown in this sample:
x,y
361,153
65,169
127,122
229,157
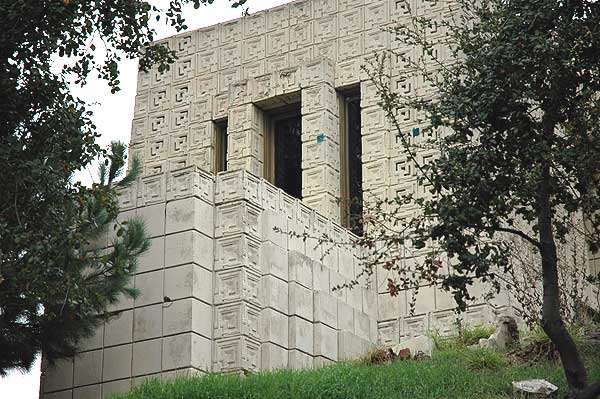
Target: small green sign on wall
x,y
416,131
320,138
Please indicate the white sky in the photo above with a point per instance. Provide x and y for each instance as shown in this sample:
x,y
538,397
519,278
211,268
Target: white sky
x,y
112,115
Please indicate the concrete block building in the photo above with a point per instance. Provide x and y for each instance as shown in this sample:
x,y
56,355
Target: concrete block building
x,y
247,142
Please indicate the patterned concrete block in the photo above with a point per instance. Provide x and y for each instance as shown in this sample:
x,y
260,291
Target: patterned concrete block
x,y
235,354
238,318
238,284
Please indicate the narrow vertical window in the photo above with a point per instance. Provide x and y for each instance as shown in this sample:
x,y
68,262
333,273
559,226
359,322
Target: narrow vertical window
x,y
283,149
221,146
351,161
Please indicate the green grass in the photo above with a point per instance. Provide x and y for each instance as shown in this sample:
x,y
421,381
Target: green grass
x,y
457,373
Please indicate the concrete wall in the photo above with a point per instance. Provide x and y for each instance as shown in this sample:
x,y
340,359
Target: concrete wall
x,y
221,290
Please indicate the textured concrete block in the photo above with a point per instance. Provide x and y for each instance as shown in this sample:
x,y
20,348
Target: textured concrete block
x,y
188,281
274,327
189,247
325,309
413,326
325,341
238,318
147,322
299,360
117,362
237,218
147,357
236,353
274,294
273,357
190,213
58,376
150,286
119,329
237,250
300,301
389,332
301,334
239,284
300,269
274,260
345,316
88,368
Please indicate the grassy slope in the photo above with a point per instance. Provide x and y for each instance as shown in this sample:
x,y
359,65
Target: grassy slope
x,y
449,374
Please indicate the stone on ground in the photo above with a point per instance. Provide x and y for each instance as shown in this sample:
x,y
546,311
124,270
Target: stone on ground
x,y
534,389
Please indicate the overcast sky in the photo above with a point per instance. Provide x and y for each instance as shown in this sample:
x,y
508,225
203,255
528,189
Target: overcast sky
x,y
112,116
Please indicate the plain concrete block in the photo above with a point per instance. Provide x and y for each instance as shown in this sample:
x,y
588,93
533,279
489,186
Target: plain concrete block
x,y
147,322
321,280
274,260
154,257
273,327
301,269
117,362
88,368
201,353
190,214
147,357
150,286
391,307
295,240
325,309
189,280
274,293
68,394
189,247
88,392
299,360
336,280
350,346
273,357
58,376
325,341
301,334
95,341
369,301
345,316
354,297
362,325
321,361
154,219
177,351
119,329
187,315
274,227
300,301
115,387
424,299
137,381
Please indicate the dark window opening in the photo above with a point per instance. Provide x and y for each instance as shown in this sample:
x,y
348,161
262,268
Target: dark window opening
x,y
351,162
221,146
283,149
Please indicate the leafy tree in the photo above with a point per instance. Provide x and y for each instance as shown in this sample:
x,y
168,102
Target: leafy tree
x,y
513,114
53,283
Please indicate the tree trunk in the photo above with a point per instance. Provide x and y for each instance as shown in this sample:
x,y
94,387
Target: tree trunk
x,y
552,322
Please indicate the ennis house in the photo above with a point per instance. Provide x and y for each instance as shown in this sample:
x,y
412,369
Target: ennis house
x,y
254,133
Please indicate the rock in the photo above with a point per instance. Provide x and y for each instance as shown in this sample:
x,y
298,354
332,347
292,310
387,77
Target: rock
x,y
421,344
488,343
534,389
404,354
507,333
